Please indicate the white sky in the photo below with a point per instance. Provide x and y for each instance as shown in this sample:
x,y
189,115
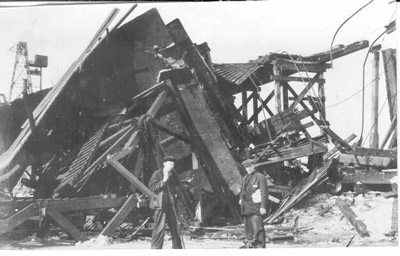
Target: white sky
x,y
235,32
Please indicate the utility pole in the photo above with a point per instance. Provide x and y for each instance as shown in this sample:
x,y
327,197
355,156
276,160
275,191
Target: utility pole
x,y
374,137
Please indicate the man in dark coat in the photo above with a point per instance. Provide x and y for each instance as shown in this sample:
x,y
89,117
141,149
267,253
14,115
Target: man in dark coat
x,y
254,203
163,183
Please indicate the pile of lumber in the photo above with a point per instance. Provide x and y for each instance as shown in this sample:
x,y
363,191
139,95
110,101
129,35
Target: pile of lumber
x,y
303,189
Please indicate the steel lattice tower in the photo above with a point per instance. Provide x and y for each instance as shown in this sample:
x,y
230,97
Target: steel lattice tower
x,y
21,78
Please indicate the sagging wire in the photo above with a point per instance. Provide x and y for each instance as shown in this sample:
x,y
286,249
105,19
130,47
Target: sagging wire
x,y
363,88
334,36
357,92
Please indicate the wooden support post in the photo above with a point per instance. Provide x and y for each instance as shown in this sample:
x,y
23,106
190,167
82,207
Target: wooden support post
x,y
374,137
244,104
389,64
245,101
263,105
66,224
285,98
120,216
277,89
255,107
321,95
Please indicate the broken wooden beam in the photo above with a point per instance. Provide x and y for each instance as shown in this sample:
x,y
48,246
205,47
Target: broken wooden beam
x,y
359,151
368,177
337,52
120,216
317,176
10,207
295,152
66,224
358,225
335,149
301,65
130,177
200,124
297,79
373,161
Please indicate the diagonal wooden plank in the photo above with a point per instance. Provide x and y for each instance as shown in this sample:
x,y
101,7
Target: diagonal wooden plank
x,y
130,177
304,92
65,224
119,217
158,102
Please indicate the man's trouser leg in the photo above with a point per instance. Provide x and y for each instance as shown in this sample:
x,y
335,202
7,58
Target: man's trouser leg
x,y
258,229
173,227
157,237
248,229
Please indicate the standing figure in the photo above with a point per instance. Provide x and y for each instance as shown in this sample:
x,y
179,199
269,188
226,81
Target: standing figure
x,y
163,184
254,203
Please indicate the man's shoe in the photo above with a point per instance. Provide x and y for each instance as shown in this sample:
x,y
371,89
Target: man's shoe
x,y
258,244
246,245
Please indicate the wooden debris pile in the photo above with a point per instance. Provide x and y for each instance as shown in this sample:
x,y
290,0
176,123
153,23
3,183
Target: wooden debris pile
x,y
147,91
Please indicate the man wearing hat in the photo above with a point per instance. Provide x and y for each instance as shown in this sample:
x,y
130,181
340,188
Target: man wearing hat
x,y
254,203
163,184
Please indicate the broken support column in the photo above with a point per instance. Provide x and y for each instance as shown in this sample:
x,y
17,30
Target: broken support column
x,y
212,151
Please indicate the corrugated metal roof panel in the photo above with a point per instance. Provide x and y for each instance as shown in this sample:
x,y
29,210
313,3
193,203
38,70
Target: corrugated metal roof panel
x,y
237,73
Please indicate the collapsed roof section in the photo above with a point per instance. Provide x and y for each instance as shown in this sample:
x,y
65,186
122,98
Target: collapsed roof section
x,y
239,75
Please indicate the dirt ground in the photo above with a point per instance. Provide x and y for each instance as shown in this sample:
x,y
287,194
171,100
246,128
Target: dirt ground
x,y
315,230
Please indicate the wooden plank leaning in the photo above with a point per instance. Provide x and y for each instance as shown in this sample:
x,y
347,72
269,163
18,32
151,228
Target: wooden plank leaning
x,y
66,224
119,217
130,177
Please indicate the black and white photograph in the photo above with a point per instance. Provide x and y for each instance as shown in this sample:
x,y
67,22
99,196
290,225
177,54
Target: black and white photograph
x,y
265,125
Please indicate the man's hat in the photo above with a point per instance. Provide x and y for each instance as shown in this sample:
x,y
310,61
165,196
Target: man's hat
x,y
248,162
169,159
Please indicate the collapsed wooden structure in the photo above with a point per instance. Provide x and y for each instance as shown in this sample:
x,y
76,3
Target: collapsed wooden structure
x,y
146,91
